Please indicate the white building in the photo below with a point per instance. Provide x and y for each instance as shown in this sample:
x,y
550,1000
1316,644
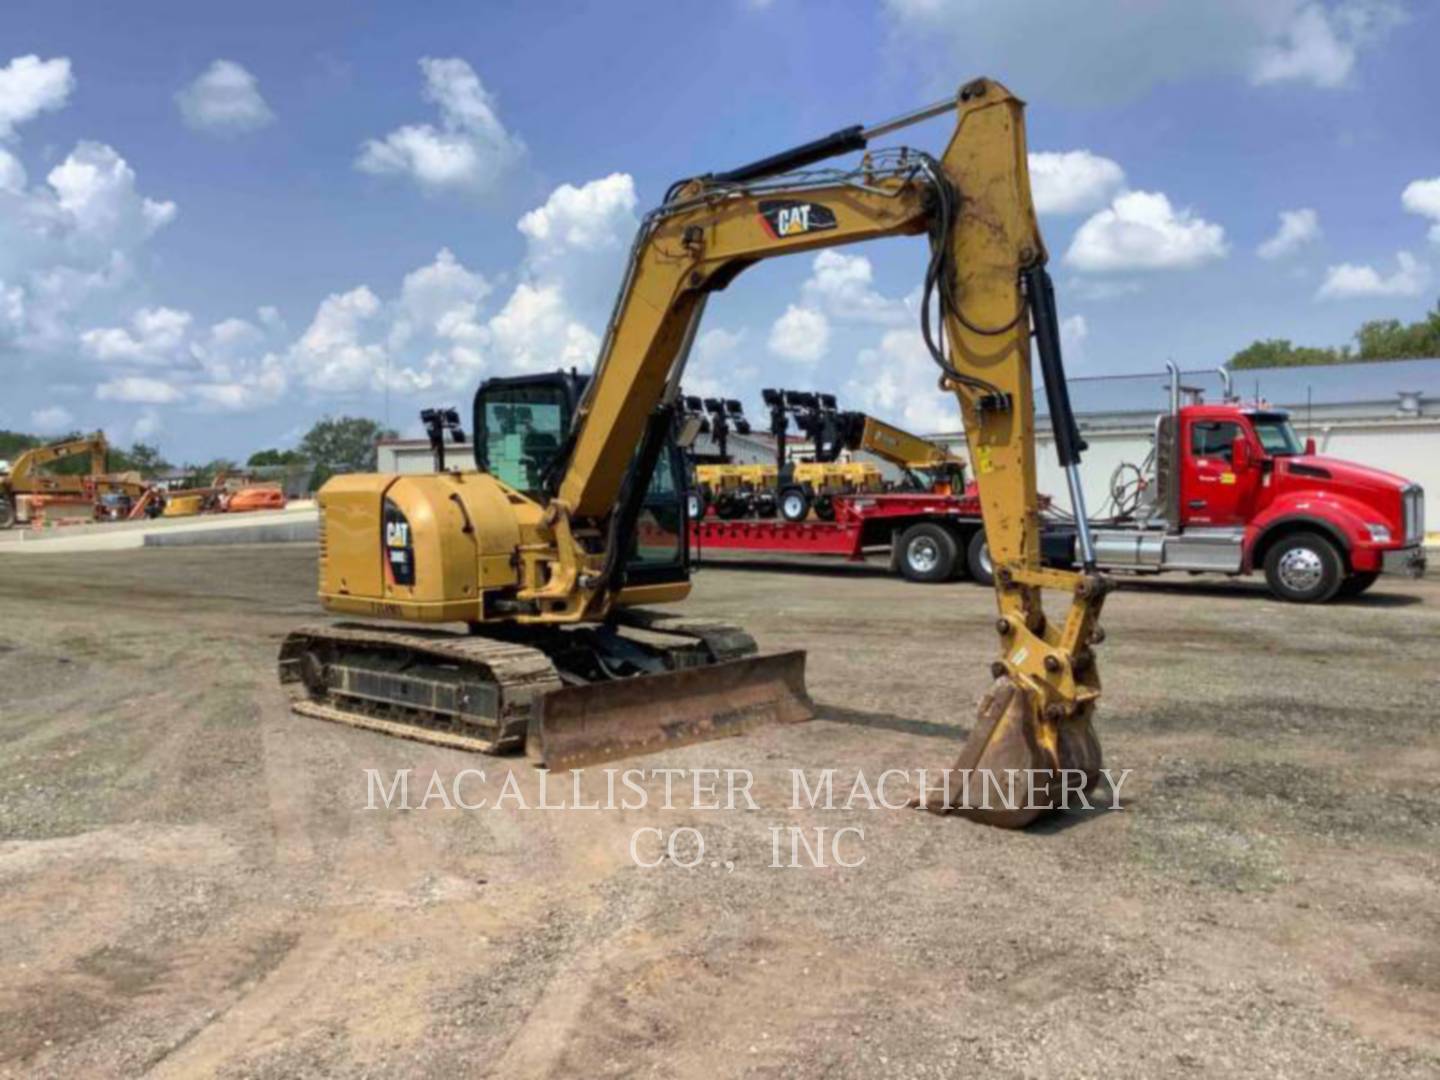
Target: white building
x,y
1385,414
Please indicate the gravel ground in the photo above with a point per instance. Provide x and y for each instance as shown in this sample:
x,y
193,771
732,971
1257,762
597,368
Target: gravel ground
x,y
191,883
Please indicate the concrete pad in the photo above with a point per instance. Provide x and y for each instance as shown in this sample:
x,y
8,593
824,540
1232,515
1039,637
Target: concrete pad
x,y
297,522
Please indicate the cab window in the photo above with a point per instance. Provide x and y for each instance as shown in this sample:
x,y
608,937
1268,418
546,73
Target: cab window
x,y
1213,438
521,438
659,535
1276,435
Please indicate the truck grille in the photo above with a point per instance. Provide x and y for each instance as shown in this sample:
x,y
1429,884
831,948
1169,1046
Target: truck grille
x,y
1414,502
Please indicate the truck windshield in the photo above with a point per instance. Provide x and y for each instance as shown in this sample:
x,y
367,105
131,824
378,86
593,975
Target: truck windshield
x,y
1276,435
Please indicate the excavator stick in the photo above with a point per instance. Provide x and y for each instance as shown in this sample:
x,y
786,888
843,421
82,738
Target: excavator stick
x,y
598,722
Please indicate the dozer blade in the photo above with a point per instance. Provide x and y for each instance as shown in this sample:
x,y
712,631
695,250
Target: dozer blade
x,y
584,725
1018,764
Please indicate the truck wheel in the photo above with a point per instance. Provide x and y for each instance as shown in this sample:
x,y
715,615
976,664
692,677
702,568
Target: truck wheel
x,y
794,504
1356,584
928,552
1304,569
7,513
977,559
825,508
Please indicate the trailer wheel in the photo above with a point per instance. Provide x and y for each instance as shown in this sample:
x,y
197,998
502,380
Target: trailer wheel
x,y
7,512
731,506
928,552
977,559
1304,569
825,508
1356,584
794,504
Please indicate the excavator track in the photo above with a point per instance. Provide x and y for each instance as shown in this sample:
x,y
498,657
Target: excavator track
x,y
464,692
486,695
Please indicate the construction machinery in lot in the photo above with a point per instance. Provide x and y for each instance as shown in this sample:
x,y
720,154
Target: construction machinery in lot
x,y
539,549
797,487
27,486
1230,488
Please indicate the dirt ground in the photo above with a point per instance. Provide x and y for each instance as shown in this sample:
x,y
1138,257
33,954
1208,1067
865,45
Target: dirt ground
x,y
191,883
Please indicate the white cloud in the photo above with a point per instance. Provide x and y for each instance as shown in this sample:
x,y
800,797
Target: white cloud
x,y
577,240
1318,43
841,286
147,425
72,240
1108,289
1423,197
138,389
154,338
597,216
30,86
801,334
334,354
1140,230
898,380
52,420
718,366
94,191
257,384
226,99
535,331
469,152
1297,228
1073,182
12,173
1104,51
1349,281
433,331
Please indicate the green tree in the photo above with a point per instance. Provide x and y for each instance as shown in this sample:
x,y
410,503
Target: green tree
x,y
263,458
343,444
1379,339
1277,352
141,457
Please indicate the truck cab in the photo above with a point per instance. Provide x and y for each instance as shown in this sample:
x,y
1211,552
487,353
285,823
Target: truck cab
x,y
1236,491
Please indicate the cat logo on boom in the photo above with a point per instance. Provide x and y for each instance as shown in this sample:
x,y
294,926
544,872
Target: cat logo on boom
x,y
785,218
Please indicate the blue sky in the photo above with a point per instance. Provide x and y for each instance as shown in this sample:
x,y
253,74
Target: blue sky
x,y
218,223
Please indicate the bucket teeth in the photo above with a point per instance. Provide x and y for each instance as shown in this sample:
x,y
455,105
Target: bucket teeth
x,y
1018,763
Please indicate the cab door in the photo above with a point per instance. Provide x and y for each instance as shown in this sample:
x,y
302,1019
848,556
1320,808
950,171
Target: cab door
x,y
1213,491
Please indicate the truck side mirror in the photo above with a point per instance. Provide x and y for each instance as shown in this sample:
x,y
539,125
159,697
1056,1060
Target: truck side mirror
x,y
1240,453
1310,445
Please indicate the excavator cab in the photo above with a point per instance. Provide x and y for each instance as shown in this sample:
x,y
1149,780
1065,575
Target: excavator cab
x,y
521,423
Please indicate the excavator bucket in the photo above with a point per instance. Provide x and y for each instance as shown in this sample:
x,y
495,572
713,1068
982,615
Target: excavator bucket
x,y
585,725
1018,763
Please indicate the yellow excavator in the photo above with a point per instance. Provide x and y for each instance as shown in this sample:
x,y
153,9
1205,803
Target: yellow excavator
x,y
28,477
573,519
926,465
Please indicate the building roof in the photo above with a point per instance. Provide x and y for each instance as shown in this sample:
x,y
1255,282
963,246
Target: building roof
x,y
1361,389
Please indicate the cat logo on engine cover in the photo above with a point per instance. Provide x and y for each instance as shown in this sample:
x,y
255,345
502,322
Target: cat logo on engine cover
x,y
786,217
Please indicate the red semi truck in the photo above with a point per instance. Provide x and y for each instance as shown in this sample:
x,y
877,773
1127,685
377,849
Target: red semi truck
x,y
1235,491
